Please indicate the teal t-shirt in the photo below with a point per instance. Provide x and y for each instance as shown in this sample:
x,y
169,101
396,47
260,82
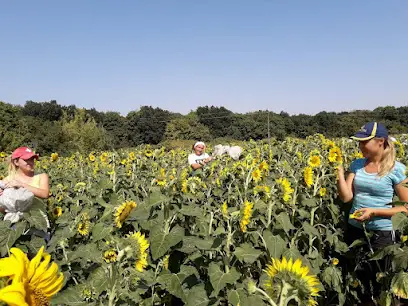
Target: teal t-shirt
x,y
373,191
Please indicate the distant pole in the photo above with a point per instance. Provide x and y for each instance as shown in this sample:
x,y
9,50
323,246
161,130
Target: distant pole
x,y
269,133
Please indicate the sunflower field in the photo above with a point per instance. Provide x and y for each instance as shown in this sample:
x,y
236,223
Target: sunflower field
x,y
137,228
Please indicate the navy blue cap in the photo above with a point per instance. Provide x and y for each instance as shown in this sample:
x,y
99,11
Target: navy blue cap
x,y
371,130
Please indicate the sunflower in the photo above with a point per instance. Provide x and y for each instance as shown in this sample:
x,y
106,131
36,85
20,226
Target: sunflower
x,y
92,157
335,155
148,153
296,275
355,214
286,188
110,256
308,176
32,282
132,156
83,227
246,215
57,212
314,161
123,211
104,157
322,191
256,175
224,210
54,156
142,246
264,167
166,262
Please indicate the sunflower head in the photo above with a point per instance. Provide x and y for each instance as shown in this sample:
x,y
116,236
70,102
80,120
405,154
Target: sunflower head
x,y
141,249
110,256
57,212
314,161
30,282
123,211
292,272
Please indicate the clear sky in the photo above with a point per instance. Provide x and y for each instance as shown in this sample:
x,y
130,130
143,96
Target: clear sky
x,y
296,56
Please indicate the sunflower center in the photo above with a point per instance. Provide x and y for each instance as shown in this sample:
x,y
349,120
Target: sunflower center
x,y
37,298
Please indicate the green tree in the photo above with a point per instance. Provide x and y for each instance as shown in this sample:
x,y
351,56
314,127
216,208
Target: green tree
x,y
187,129
82,133
147,125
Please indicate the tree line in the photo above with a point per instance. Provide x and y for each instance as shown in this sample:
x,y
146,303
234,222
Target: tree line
x,y
51,127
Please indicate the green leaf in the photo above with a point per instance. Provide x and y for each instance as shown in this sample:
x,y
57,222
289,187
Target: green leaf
x,y
87,252
197,296
401,259
399,221
220,279
69,297
36,219
99,280
172,283
292,253
247,253
275,244
309,202
357,242
161,242
189,210
284,222
35,244
100,231
186,271
310,230
332,276
238,297
156,197
399,285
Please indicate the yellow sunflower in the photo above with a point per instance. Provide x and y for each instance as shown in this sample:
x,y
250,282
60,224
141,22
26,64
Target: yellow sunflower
x,y
57,212
246,215
142,245
314,161
83,227
32,282
256,175
110,256
308,176
322,191
54,156
123,211
224,210
335,155
293,273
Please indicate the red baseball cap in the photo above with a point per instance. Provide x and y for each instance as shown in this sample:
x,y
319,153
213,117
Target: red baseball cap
x,y
24,153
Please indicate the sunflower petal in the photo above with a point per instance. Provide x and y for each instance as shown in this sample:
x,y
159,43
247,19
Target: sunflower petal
x,y
34,263
13,295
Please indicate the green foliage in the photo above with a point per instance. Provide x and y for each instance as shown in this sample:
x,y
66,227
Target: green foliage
x,y
186,129
82,134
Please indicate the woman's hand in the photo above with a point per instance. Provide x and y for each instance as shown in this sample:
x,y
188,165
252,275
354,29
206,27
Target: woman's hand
x,y
208,159
364,214
14,184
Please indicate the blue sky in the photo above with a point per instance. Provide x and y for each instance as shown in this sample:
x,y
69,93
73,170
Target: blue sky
x,y
294,56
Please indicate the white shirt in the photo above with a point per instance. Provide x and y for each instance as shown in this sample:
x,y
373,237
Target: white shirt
x,y
195,159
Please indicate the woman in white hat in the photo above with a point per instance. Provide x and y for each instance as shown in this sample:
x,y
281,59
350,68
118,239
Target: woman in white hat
x,y
198,158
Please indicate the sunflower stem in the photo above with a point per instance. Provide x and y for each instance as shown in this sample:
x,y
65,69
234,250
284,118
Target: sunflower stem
x,y
268,298
283,300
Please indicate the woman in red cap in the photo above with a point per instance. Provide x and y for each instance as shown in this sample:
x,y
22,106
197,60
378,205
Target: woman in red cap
x,y
21,173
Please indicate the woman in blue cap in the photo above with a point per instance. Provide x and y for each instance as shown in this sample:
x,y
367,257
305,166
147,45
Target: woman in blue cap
x,y
371,184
